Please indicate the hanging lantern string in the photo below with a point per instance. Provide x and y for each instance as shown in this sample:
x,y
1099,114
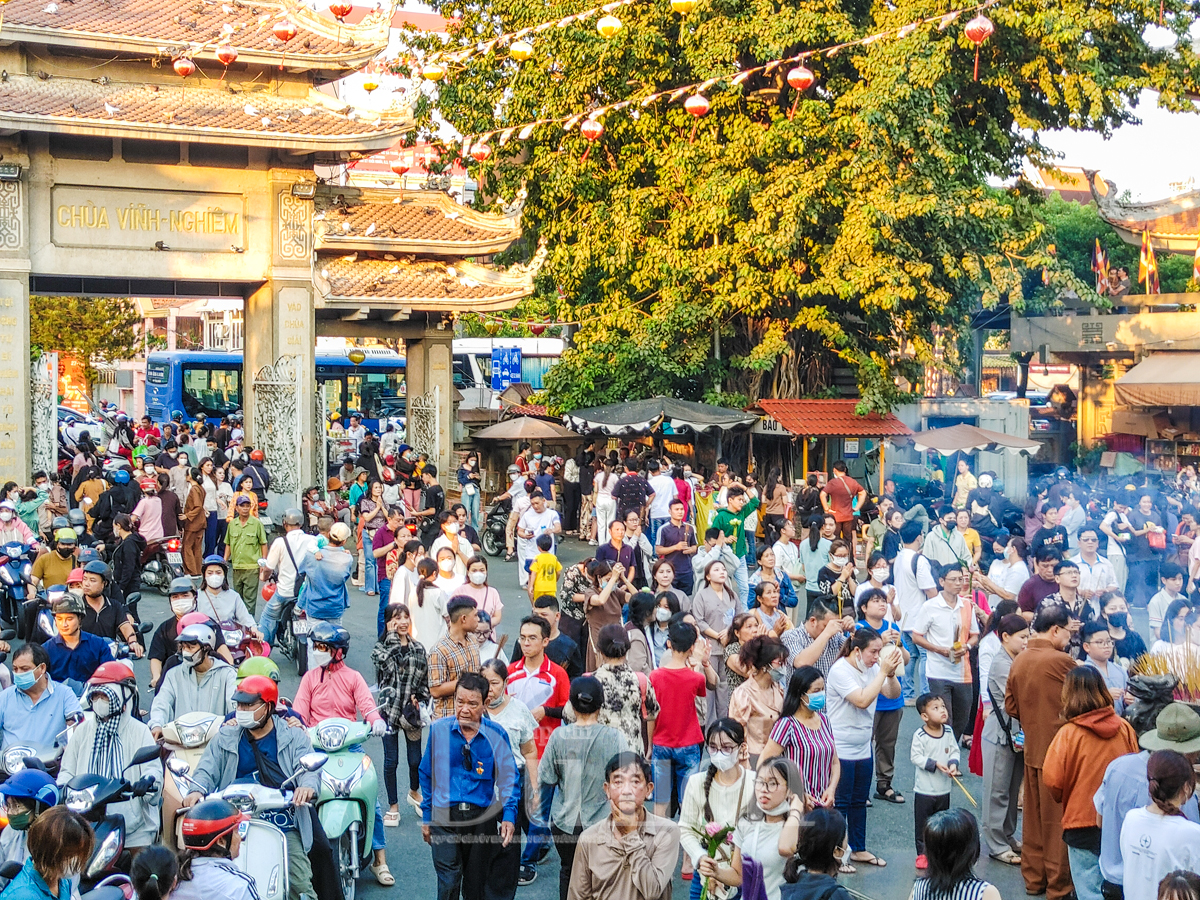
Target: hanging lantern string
x,y
483,48
569,122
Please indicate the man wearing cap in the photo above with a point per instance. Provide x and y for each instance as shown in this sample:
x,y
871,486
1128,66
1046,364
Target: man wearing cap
x,y
325,574
74,653
245,545
282,561
1126,787
51,569
453,655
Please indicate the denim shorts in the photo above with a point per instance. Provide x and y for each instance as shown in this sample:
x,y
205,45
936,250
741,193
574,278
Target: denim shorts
x,y
672,768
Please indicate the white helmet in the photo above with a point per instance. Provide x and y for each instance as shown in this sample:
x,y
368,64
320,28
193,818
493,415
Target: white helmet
x,y
985,481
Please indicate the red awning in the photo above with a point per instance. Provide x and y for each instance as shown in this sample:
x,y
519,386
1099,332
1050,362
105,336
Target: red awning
x,y
831,418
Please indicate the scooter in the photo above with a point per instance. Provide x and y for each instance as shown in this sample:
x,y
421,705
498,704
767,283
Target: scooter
x,y
164,563
16,571
89,795
242,644
183,739
264,853
493,536
41,756
349,790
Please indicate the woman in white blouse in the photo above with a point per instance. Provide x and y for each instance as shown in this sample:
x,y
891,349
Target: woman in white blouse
x,y
1006,574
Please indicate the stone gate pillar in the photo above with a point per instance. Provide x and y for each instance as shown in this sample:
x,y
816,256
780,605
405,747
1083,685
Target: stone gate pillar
x,y
429,364
16,414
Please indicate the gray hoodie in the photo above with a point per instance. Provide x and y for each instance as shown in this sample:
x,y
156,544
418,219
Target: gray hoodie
x,y
181,693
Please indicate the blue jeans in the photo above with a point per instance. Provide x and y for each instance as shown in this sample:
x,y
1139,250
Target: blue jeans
x,y
741,580
672,768
751,547
269,623
1085,873
370,565
385,591
655,525
851,799
210,534
914,672
537,832
471,502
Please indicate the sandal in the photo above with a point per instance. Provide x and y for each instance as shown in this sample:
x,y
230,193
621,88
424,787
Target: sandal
x,y
872,860
891,795
391,818
383,875
1010,857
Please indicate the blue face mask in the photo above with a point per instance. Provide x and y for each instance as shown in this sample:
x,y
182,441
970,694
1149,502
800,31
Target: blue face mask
x,y
24,680
816,701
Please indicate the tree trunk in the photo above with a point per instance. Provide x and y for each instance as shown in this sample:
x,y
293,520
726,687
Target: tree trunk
x,y
1023,360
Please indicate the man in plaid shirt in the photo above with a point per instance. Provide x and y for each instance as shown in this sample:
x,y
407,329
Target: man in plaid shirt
x,y
453,655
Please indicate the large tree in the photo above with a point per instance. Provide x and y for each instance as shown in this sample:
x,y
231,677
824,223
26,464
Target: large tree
x,y
96,329
846,235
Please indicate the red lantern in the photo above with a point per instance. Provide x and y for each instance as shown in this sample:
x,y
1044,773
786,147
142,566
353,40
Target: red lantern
x,y
285,30
591,129
401,165
538,330
227,55
978,30
184,67
480,152
697,105
801,78
340,9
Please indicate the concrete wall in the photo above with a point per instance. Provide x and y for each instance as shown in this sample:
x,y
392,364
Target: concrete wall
x,y
1005,416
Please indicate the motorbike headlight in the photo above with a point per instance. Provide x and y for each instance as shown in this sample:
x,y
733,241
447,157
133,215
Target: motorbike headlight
x,y
6,576
232,638
242,801
14,759
80,801
27,571
341,788
193,735
110,848
331,737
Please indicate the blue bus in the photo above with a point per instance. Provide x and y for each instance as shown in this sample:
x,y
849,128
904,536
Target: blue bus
x,y
209,383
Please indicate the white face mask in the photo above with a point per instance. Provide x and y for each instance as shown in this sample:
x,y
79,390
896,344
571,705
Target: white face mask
x,y
477,578
191,660
214,580
245,718
881,574
6,515
149,470
780,810
724,761
451,528
838,561
446,565
662,615
102,707
183,606
321,658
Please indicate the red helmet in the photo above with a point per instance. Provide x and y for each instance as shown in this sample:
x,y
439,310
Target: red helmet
x,y
148,484
209,821
192,618
257,455
257,687
113,673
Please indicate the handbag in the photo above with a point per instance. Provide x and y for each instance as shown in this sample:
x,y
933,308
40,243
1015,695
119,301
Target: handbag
x,y
1157,540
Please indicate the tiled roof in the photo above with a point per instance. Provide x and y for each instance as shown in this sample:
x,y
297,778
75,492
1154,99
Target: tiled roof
x,y
421,284
219,116
413,222
532,409
168,26
830,418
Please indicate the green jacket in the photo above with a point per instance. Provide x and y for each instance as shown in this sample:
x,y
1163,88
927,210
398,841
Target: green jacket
x,y
733,524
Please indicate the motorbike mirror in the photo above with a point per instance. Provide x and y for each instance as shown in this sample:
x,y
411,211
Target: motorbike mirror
x,y
7,634
144,756
133,598
310,762
178,766
145,628
10,870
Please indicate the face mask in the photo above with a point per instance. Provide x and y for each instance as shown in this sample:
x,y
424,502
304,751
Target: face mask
x,y
838,561
20,821
214,580
493,704
725,760
102,707
25,680
322,658
191,660
452,528
662,615
183,606
6,516
79,529
780,810
816,701
1118,620
149,470
446,565
64,551
245,718
477,578
880,574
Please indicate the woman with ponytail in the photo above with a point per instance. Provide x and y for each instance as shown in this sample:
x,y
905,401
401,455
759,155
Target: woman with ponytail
x,y
719,794
1156,839
429,616
154,873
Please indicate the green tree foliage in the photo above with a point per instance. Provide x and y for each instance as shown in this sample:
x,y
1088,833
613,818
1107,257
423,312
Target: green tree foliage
x,y
843,236
96,329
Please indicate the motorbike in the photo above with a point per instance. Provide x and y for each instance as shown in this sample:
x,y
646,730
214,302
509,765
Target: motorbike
x,y
241,643
16,572
164,562
89,796
184,738
264,848
291,636
27,754
346,803
493,534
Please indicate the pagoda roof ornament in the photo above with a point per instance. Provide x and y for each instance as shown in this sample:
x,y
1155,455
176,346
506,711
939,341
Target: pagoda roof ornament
x,y
1173,222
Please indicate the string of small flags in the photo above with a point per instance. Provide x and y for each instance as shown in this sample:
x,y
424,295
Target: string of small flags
x,y
800,78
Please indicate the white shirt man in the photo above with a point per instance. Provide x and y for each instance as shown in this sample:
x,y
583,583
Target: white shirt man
x,y
912,587
1096,574
665,491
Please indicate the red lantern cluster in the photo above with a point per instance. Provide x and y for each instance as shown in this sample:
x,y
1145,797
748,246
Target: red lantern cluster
x,y
801,78
591,129
978,30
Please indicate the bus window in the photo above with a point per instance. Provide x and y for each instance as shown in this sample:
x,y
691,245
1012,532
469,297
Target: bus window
x,y
369,391
211,391
333,395
462,373
158,373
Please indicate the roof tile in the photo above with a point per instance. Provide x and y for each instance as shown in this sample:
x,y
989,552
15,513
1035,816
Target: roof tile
x,y
419,282
417,219
831,418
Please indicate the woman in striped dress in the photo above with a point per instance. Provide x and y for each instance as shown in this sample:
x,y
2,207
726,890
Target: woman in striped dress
x,y
952,848
804,736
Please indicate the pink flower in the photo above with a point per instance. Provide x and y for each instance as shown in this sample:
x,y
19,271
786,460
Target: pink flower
x,y
729,838
712,828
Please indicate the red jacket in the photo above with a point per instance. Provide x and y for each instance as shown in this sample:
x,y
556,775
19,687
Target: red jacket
x,y
1078,757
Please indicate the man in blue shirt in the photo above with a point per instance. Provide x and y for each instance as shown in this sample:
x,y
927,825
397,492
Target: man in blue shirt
x,y
35,709
74,653
325,575
1126,787
469,798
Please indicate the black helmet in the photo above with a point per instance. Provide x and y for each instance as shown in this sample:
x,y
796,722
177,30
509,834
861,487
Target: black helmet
x,y
331,635
1062,473
209,821
98,568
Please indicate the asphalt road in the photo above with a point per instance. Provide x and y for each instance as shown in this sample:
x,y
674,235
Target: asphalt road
x,y
889,826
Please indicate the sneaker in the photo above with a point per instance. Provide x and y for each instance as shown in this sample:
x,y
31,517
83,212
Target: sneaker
x,y
911,701
592,543
922,862
544,854
528,876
